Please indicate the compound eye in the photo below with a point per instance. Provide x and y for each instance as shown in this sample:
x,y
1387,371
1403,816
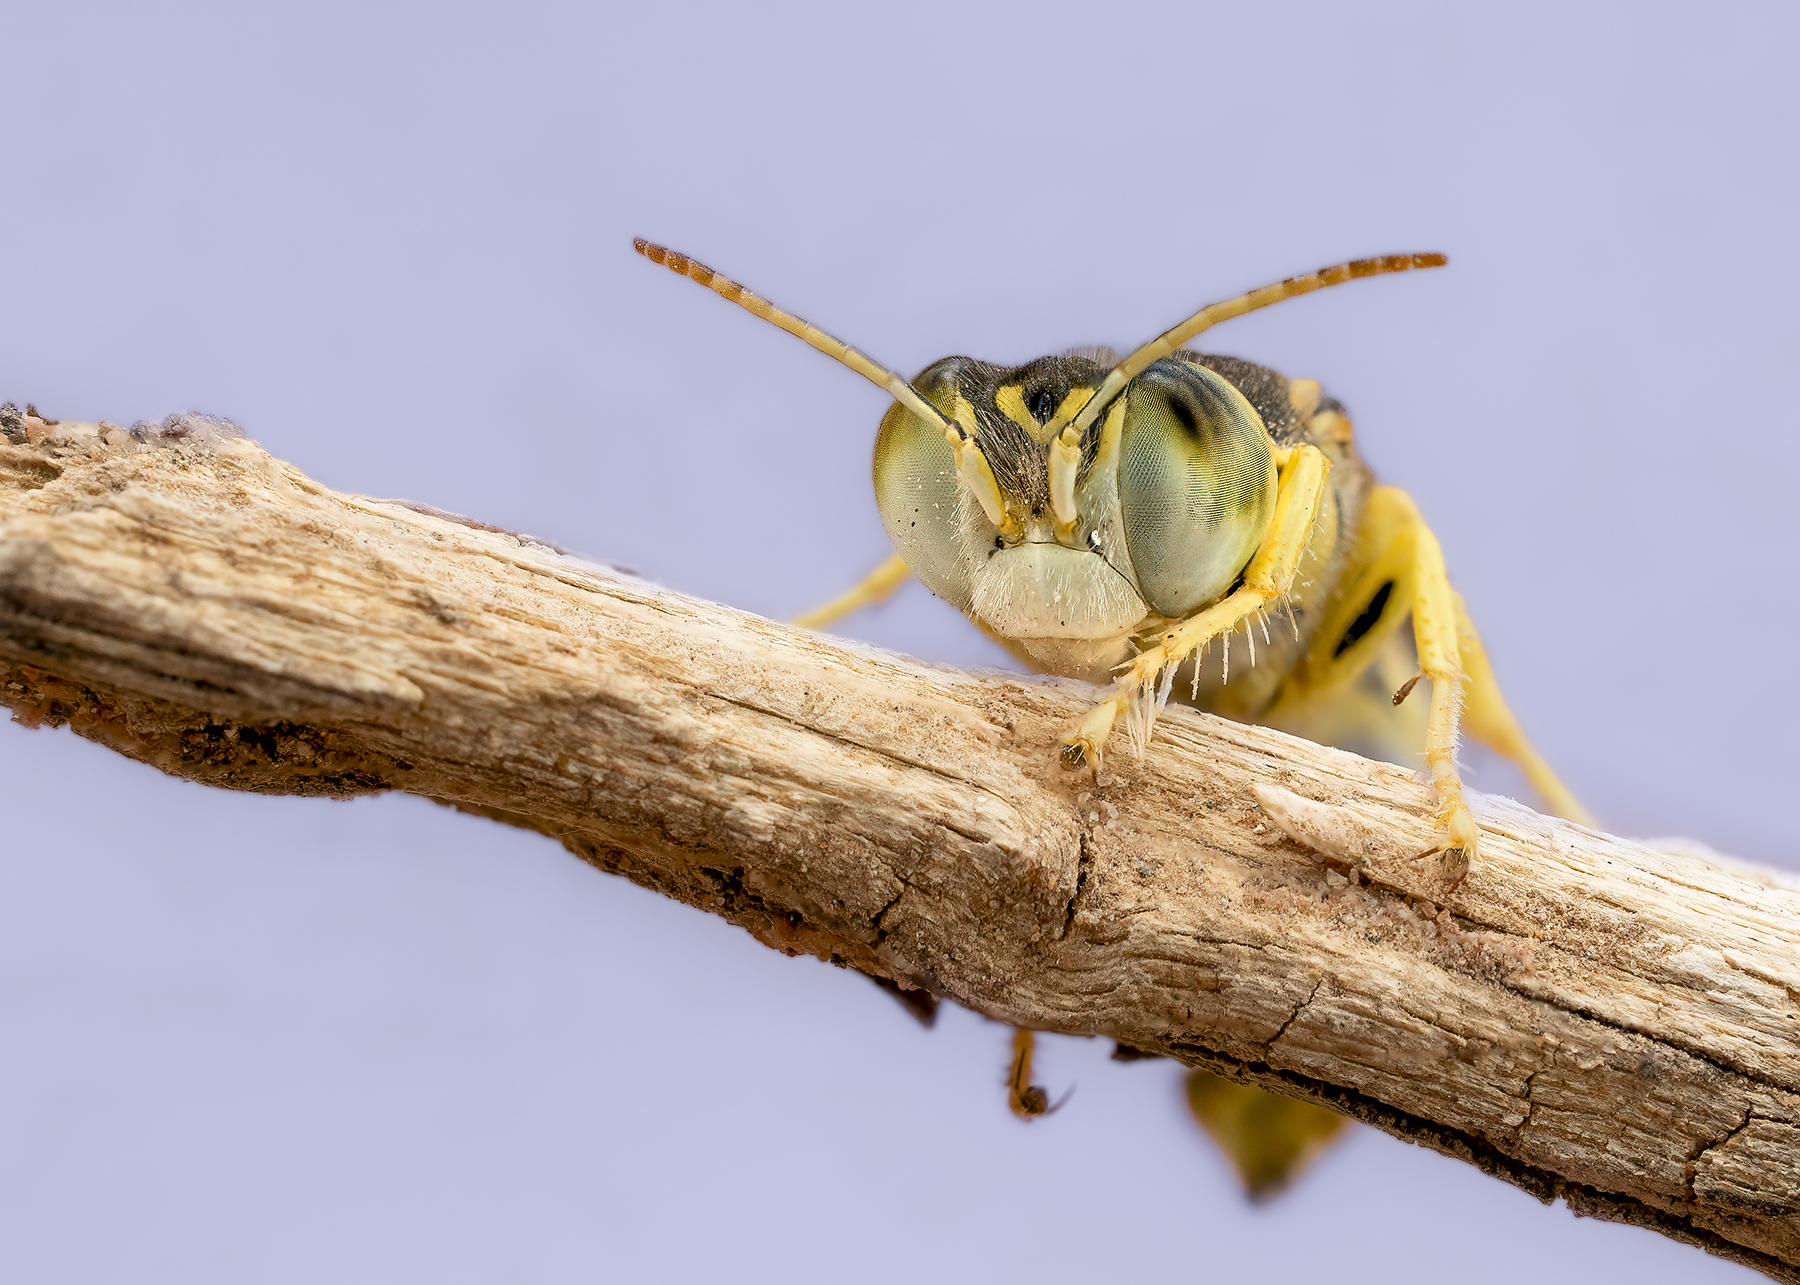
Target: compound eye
x,y
1196,484
916,487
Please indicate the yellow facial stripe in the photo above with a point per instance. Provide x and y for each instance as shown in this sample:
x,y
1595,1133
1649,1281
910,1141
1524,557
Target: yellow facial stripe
x,y
1070,408
1011,400
1072,404
962,411
1110,432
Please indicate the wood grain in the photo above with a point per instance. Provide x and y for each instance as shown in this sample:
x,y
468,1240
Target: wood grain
x,y
1582,1016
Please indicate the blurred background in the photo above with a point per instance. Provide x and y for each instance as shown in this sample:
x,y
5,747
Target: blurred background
x,y
282,1040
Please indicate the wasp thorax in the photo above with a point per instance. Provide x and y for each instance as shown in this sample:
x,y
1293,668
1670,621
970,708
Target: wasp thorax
x,y
1154,509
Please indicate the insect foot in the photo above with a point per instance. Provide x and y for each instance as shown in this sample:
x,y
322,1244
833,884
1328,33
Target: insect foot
x,y
1028,1101
1082,746
1462,839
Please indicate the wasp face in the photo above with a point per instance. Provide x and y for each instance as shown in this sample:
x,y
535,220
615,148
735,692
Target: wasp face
x,y
1162,506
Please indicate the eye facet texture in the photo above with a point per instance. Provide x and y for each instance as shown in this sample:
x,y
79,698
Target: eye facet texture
x,y
1196,484
916,488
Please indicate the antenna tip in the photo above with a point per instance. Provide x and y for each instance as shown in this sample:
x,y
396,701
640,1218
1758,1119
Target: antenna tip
x,y
1358,268
675,261
1394,263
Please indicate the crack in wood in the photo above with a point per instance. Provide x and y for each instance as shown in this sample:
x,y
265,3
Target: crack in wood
x,y
1692,1168
1083,869
1293,1016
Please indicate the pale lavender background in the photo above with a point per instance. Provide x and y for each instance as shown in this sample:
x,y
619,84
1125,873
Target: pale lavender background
x,y
249,1039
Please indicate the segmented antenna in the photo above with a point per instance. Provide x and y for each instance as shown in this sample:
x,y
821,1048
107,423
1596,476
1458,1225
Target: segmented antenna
x,y
1214,313
723,286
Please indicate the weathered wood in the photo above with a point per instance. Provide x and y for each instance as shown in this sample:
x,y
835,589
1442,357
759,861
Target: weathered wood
x,y
1582,1016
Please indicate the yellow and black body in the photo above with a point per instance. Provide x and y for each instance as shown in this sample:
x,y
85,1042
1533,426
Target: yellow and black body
x,y
1174,524
1176,490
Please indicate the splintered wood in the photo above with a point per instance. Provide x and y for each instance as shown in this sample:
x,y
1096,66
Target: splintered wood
x,y
1579,1015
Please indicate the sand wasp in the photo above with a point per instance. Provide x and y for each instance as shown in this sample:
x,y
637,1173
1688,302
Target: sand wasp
x,y
1135,522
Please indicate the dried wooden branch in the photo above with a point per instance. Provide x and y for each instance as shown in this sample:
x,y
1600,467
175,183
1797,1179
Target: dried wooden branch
x,y
1581,1016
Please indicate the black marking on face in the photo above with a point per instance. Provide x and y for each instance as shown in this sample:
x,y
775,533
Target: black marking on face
x,y
1360,627
1020,464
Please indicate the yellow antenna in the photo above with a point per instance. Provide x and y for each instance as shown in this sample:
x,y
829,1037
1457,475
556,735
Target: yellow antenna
x,y
723,286
1214,313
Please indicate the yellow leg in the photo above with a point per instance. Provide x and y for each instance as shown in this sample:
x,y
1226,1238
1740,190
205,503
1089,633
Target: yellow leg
x,y
1364,614
875,587
1488,720
1353,632
1399,564
1267,579
1440,657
